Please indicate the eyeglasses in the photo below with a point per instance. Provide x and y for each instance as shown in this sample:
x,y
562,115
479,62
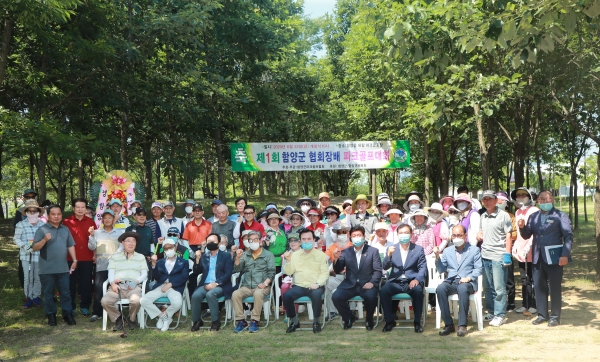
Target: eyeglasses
x,y
29,197
254,240
249,213
305,204
172,234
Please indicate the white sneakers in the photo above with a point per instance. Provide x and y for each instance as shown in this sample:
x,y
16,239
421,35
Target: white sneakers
x,y
498,321
163,322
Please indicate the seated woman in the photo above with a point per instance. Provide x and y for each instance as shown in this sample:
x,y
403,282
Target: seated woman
x,y
170,274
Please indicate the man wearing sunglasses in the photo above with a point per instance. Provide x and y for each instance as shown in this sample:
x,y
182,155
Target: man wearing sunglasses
x,y
249,224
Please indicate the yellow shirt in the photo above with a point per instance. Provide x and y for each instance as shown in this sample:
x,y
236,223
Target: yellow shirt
x,y
308,269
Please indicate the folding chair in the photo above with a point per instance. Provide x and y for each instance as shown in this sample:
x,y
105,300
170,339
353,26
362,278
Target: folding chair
x,y
277,294
359,300
268,301
125,303
228,305
476,306
405,299
435,279
182,311
308,302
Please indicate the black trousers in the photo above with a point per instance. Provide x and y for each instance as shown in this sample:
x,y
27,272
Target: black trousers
x,y
340,300
99,278
392,288
463,290
548,277
296,292
526,271
511,289
81,280
21,274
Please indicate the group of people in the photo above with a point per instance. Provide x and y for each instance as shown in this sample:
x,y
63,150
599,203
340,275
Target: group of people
x,y
314,250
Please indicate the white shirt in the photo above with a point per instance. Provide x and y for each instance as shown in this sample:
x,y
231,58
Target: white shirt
x,y
169,264
403,254
358,254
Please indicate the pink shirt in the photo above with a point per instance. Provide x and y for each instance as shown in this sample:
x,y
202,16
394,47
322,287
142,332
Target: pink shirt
x,y
425,240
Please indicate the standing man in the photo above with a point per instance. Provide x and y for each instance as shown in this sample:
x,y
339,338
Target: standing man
x,y
188,207
53,240
116,206
310,270
146,244
407,276
363,273
548,227
224,226
24,234
249,224
258,267
170,220
81,279
462,261
195,233
361,216
214,205
495,235
240,204
152,222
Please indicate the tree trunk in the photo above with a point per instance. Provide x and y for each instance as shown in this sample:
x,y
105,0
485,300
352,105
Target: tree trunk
x,y
42,173
495,172
427,176
597,213
31,172
483,151
538,162
442,163
147,160
261,185
2,210
373,187
467,163
124,122
220,164
6,37
81,170
158,190
304,183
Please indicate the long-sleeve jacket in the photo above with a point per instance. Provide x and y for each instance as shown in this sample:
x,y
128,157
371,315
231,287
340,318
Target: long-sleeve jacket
x,y
556,230
256,270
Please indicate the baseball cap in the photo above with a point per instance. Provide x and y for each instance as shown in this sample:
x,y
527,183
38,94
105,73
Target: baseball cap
x,y
216,202
488,193
115,201
168,203
140,210
381,226
156,204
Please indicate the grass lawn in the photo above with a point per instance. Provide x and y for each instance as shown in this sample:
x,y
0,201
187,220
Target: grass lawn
x,y
25,336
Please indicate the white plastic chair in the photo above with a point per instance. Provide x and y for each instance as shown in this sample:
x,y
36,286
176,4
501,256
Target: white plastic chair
x,y
476,306
277,294
125,303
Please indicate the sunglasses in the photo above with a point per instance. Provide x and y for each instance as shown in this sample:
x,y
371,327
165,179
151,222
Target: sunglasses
x,y
172,234
306,204
29,197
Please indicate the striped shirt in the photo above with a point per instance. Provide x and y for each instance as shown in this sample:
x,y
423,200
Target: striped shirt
x,y
24,233
127,269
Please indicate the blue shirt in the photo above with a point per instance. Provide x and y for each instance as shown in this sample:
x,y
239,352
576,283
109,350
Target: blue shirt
x,y
211,277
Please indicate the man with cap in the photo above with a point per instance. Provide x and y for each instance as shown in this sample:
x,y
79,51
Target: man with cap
x,y
495,235
81,227
127,270
53,240
409,269
361,217
170,273
249,224
28,194
305,204
122,221
394,215
188,207
132,208
216,268
502,202
310,270
258,267
146,244
332,215
195,233
170,220
181,247
549,227
469,217
522,250
341,242
462,262
362,265
104,241
23,238
214,204
324,202
225,226
152,222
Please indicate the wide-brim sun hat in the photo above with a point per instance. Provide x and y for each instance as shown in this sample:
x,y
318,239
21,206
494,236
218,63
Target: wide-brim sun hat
x,y
436,206
419,213
361,197
306,198
413,198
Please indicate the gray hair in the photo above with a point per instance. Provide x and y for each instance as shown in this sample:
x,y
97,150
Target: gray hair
x,y
254,232
222,207
224,237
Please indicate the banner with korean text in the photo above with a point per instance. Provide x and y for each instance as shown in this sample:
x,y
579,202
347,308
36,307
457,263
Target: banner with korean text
x,y
308,156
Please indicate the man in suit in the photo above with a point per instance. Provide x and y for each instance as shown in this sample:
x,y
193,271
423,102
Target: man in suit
x,y
216,267
363,273
362,217
171,274
548,227
407,276
463,263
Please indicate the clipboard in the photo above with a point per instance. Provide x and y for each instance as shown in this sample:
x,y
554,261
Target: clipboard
x,y
553,253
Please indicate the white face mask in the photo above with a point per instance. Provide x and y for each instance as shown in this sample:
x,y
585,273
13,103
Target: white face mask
x,y
502,206
133,209
170,253
436,216
453,217
254,246
458,242
33,219
188,209
414,207
342,238
246,245
462,206
522,201
222,247
305,208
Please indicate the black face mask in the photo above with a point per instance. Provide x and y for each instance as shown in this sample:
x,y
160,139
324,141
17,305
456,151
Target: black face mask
x,y
212,246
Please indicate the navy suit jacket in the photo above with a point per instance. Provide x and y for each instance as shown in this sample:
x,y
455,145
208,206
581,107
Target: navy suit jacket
x,y
369,269
223,271
178,276
470,264
555,231
416,265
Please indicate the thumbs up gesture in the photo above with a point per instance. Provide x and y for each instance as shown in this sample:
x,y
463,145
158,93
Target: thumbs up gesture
x,y
91,231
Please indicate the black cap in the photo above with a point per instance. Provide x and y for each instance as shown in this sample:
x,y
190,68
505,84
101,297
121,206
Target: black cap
x,y
128,234
197,206
140,210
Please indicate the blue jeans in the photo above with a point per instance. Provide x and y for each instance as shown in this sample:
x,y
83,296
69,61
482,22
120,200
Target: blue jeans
x,y
495,275
212,296
61,282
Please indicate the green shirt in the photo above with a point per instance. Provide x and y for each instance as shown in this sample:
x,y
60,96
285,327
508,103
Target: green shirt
x,y
257,270
277,244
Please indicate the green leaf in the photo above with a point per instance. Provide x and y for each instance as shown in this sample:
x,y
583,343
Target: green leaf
x,y
570,21
418,53
471,45
547,44
516,60
510,30
593,10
